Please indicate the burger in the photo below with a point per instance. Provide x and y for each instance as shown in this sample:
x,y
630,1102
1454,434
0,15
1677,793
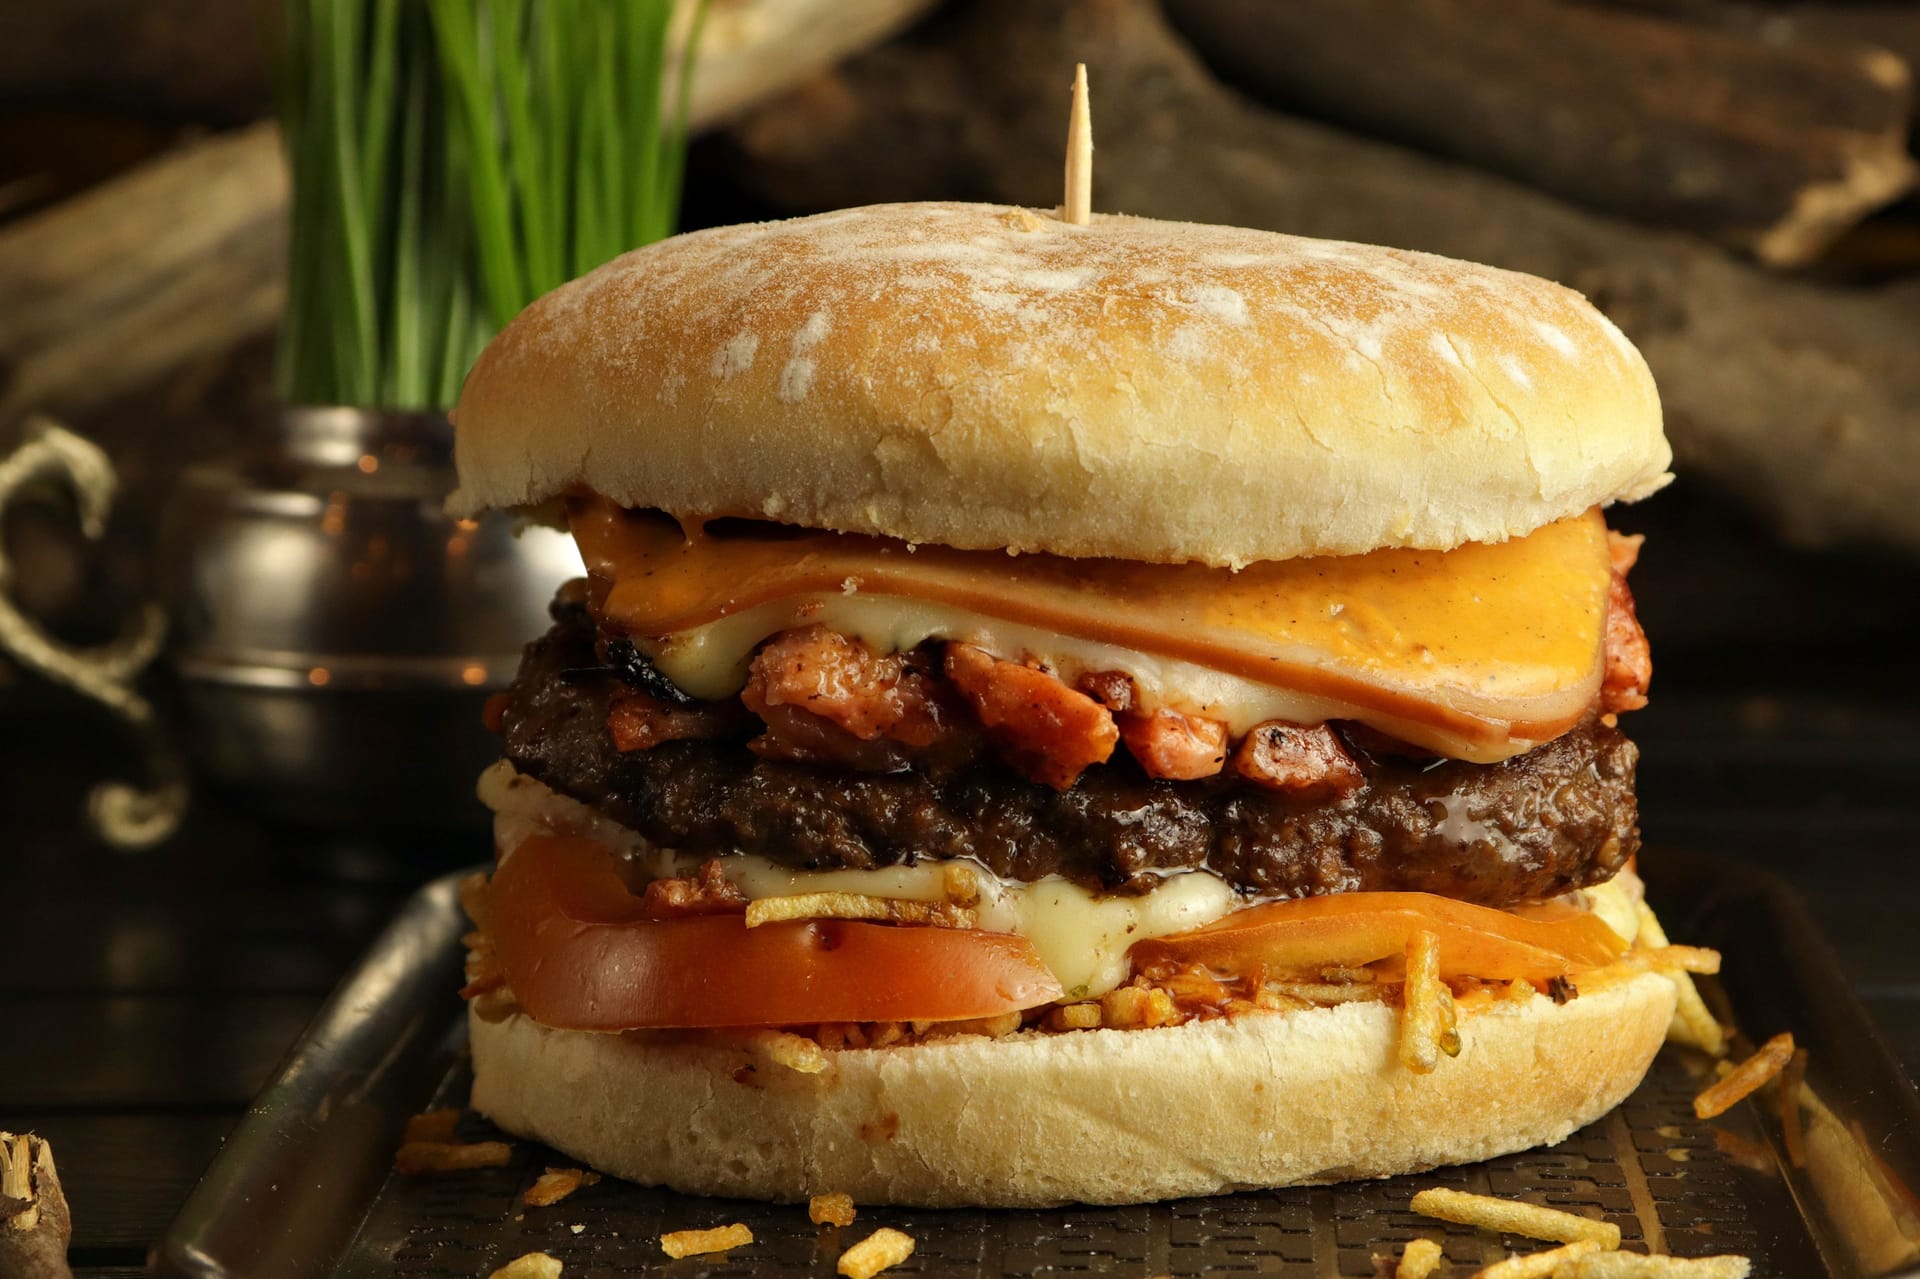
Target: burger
x,y
1062,713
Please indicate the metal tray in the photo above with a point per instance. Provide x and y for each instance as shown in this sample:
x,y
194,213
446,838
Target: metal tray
x,y
302,1187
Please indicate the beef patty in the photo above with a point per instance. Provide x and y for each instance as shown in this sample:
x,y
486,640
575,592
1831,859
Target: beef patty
x,y
1561,816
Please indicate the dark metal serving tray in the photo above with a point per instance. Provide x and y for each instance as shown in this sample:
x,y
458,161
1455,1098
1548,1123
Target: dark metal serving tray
x,y
302,1188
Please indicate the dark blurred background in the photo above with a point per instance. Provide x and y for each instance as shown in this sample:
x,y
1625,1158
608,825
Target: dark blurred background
x,y
1731,181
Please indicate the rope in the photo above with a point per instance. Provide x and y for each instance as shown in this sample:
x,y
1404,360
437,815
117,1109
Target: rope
x,y
123,815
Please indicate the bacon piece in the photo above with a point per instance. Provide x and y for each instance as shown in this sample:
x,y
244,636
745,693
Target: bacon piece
x,y
1045,729
493,713
1628,658
826,698
1296,759
639,721
1112,689
846,683
705,892
794,734
1177,747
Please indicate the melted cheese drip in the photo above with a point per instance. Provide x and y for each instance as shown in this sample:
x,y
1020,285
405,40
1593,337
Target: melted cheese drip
x,y
1480,652
1081,936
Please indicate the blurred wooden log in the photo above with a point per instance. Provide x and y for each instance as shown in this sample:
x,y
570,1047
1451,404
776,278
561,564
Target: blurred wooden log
x,y
1893,27
752,49
1799,400
177,259
183,257
207,60
1773,148
188,60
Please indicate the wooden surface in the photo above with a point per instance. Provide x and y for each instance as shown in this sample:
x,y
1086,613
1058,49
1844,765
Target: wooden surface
x,y
149,996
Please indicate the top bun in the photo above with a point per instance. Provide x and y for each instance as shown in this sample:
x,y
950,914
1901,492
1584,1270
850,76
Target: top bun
x,y
982,376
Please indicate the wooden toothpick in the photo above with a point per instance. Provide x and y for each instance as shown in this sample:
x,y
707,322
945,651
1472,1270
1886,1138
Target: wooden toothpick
x,y
1078,209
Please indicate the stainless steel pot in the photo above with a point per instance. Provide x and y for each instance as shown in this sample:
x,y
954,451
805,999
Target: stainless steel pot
x,y
335,633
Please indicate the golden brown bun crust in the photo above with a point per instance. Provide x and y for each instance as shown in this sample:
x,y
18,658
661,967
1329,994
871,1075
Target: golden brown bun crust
x,y
1103,1116
982,376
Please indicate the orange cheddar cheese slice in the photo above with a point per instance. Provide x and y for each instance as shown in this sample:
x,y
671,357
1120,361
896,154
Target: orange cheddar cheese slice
x,y
1479,652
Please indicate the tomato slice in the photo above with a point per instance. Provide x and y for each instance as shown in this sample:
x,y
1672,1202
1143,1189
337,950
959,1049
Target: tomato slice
x,y
580,954
1350,929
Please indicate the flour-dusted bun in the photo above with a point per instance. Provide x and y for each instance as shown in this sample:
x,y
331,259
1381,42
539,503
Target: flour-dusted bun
x,y
1099,1116
982,376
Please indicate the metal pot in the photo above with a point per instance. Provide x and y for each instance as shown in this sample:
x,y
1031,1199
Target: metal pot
x,y
335,634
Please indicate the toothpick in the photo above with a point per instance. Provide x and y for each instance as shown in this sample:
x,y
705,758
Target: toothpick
x,y
1079,204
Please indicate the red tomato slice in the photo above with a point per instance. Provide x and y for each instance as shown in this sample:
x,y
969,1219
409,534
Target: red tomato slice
x,y
580,954
1350,929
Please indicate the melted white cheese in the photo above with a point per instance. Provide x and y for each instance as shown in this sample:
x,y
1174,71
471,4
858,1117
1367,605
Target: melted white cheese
x,y
711,661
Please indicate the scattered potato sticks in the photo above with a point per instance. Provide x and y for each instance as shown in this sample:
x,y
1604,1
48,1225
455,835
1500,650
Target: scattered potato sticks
x,y
795,1052
1745,1078
1673,959
831,1210
1508,1217
1634,1265
691,1243
556,1184
416,1157
883,1248
434,1125
1541,1265
1693,1025
534,1265
1420,1259
1074,1017
1793,1128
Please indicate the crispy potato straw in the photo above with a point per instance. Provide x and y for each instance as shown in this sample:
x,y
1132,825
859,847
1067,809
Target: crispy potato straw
x,y
1793,1128
433,1125
1074,1017
767,910
1634,1265
1693,1026
1541,1265
1327,992
692,1243
831,1210
556,1184
1420,1258
1673,959
1427,1026
1744,1079
883,1248
1509,1217
416,1157
533,1265
795,1052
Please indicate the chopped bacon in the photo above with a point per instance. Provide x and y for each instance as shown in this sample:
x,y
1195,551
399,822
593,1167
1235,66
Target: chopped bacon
x,y
1299,760
1112,689
493,713
1045,729
705,892
1175,746
1629,660
798,735
841,680
826,698
639,721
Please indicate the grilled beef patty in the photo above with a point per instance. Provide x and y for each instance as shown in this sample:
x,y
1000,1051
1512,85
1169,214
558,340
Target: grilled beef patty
x,y
1561,816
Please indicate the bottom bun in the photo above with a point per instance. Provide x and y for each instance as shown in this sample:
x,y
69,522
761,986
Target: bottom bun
x,y
1094,1116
